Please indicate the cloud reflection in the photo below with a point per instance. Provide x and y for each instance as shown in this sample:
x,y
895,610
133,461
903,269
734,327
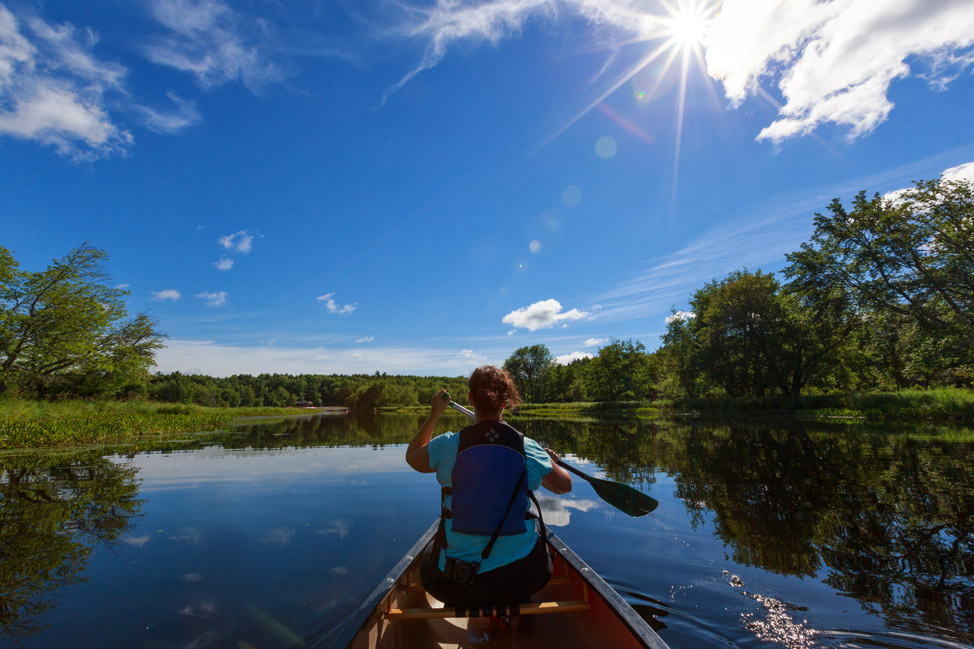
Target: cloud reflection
x,y
556,510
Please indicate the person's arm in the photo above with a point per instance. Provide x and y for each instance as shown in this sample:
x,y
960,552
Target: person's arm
x,y
417,455
558,480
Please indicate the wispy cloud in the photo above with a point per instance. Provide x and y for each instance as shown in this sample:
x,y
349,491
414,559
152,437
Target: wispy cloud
x,y
541,315
835,61
213,42
217,299
174,121
166,294
758,237
52,88
365,339
238,241
223,264
447,22
333,307
595,342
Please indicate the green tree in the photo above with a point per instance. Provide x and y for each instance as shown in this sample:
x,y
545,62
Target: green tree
x,y
529,367
620,372
63,330
912,255
738,322
680,357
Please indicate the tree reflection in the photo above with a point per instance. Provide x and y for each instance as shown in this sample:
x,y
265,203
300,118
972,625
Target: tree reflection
x,y
886,518
53,513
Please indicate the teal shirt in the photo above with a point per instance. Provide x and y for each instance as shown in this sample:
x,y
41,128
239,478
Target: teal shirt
x,y
467,547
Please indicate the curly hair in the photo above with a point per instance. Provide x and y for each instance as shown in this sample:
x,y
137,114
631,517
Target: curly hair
x,y
491,388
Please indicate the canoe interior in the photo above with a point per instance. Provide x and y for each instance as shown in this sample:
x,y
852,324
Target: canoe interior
x,y
586,613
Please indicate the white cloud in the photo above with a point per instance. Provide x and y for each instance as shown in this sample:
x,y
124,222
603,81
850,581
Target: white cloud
x,y
217,299
207,39
595,342
541,315
238,242
52,89
167,294
333,307
960,173
568,359
365,339
834,61
679,316
964,172
224,263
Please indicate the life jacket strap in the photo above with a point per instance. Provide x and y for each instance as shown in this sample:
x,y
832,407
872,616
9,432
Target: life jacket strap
x,y
493,539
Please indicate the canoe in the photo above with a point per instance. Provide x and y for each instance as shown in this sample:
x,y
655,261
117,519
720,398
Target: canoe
x,y
576,609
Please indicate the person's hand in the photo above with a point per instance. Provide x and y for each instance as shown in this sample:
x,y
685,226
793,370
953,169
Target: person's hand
x,y
552,455
439,403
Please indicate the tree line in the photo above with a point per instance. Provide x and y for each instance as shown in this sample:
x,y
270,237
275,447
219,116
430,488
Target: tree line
x,y
881,297
357,391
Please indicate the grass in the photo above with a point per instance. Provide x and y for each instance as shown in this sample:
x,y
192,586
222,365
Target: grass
x,y
33,424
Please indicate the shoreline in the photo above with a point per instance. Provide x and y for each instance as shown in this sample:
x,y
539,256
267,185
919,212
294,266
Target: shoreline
x,y
42,425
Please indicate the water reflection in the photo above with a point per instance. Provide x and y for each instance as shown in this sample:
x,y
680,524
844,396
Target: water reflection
x,y
53,513
883,517
886,518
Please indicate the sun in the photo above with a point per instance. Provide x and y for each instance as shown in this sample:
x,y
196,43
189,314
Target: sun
x,y
686,25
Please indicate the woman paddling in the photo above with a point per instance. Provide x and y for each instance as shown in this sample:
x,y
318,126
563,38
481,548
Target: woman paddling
x,y
488,550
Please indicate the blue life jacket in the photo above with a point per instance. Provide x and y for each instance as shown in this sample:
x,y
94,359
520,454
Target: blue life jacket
x,y
490,466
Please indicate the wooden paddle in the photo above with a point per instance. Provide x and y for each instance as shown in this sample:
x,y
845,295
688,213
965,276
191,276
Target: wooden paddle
x,y
621,496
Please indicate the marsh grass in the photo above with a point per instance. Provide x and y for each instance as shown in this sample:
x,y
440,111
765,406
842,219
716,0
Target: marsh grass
x,y
33,424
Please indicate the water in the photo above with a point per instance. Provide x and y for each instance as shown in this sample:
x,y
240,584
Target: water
x,y
270,535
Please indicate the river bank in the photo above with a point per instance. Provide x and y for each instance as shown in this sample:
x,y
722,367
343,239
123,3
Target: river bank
x,y
37,424
936,405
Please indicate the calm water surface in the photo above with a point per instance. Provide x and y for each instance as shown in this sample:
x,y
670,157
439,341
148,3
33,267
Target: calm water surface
x,y
269,536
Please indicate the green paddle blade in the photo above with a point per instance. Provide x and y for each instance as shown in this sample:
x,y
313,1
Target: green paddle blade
x,y
621,496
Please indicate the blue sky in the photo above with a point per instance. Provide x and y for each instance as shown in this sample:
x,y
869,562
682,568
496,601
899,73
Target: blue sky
x,y
422,187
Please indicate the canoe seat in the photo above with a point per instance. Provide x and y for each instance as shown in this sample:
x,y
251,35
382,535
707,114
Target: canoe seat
x,y
533,608
554,581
